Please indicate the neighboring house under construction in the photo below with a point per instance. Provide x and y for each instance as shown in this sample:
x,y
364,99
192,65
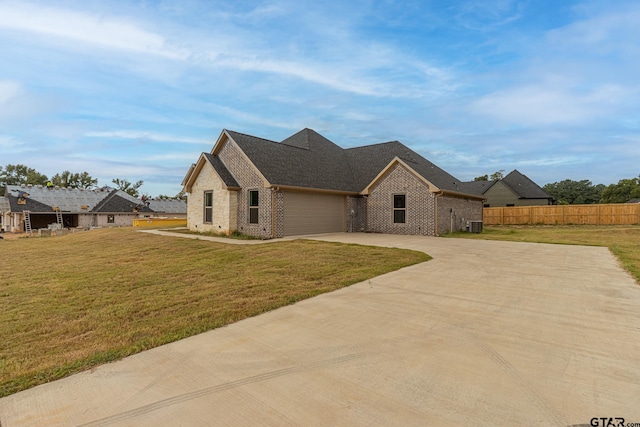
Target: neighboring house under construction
x,y
26,207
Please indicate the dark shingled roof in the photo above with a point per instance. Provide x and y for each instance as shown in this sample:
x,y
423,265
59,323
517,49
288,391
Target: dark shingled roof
x,y
115,202
524,187
222,170
30,204
368,161
478,187
308,159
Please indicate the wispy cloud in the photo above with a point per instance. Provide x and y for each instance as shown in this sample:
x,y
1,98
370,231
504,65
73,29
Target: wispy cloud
x,y
105,31
145,136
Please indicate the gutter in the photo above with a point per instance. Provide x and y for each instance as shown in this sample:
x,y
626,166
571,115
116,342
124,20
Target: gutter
x,y
315,190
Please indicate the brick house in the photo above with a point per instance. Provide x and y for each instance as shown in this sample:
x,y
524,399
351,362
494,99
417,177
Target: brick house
x,y
306,184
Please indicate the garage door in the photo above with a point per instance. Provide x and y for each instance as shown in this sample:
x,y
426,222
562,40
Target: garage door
x,y
313,213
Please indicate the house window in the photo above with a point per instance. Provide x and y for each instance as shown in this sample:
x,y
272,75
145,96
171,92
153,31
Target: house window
x,y
253,207
208,207
111,219
399,208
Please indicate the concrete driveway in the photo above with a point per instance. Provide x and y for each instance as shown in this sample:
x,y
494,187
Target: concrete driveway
x,y
486,333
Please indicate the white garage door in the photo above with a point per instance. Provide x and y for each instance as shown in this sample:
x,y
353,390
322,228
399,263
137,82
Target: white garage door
x,y
313,213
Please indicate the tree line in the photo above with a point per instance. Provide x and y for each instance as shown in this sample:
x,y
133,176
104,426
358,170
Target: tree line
x,y
21,174
584,192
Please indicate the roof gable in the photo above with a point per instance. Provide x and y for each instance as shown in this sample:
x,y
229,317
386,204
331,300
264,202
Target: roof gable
x,y
368,161
385,171
524,187
216,163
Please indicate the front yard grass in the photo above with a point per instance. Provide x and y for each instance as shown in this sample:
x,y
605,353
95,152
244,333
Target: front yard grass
x,y
622,240
73,302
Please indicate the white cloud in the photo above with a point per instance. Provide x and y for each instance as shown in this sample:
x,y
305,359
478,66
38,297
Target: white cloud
x,y
8,91
146,136
107,32
485,15
532,106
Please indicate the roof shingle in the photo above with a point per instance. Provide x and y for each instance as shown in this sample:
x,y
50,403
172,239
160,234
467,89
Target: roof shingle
x,y
308,159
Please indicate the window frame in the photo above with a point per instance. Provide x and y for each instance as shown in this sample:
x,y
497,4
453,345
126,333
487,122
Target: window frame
x,y
397,210
207,208
253,207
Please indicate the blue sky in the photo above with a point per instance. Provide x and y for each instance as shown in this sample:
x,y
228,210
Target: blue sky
x,y
138,89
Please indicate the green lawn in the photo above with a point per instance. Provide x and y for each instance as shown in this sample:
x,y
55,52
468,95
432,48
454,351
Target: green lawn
x,y
72,302
622,240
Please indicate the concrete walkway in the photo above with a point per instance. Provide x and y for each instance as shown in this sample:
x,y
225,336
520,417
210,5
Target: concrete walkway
x,y
486,333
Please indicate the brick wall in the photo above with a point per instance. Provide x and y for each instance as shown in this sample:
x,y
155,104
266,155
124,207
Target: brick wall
x,y
356,214
420,204
248,179
224,204
278,213
464,210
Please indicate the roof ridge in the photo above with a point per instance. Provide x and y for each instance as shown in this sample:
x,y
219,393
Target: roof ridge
x,y
251,136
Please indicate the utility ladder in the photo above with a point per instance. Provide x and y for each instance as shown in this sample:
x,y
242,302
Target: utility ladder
x,y
27,221
59,217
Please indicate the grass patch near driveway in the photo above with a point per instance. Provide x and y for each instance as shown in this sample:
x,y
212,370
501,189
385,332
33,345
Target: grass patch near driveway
x,y
73,302
622,240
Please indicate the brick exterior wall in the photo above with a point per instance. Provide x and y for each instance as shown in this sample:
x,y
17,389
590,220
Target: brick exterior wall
x,y
464,210
356,214
249,179
278,213
224,204
420,204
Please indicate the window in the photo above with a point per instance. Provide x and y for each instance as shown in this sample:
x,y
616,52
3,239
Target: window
x,y
111,219
253,207
399,208
208,207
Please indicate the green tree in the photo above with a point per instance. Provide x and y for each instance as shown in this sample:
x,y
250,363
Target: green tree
x,y
74,180
128,187
481,178
180,196
569,192
497,175
623,191
20,174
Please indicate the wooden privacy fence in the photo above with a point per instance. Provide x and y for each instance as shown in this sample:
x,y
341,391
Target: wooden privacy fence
x,y
612,214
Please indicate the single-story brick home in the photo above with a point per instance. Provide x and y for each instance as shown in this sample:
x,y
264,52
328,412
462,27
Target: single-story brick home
x,y
102,207
306,184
